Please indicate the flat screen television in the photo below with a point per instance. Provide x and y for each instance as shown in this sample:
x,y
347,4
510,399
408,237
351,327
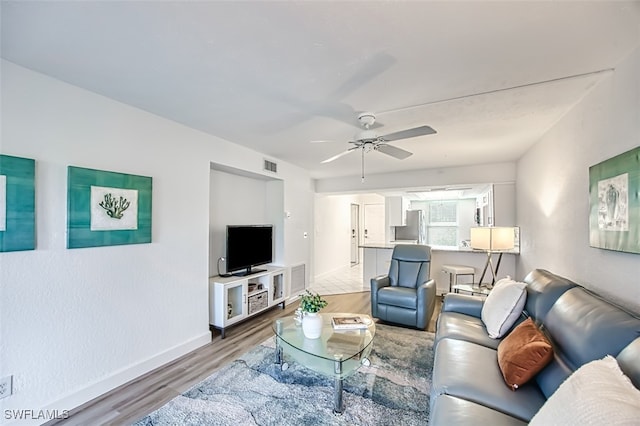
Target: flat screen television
x,y
248,246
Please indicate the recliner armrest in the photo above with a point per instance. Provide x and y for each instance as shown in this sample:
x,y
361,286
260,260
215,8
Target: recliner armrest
x,y
463,303
376,284
426,285
380,281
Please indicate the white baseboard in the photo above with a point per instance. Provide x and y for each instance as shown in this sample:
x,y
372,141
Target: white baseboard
x,y
84,395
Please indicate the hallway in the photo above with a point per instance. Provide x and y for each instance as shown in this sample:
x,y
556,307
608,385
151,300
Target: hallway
x,y
344,280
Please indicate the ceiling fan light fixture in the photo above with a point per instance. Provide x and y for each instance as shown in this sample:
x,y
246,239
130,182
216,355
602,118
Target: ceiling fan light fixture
x,y
366,136
368,140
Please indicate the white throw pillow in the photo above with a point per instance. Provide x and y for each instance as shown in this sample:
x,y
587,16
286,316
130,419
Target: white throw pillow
x,y
598,393
504,280
503,306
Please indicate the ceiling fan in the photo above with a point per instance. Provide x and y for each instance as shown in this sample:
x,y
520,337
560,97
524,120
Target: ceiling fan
x,y
368,140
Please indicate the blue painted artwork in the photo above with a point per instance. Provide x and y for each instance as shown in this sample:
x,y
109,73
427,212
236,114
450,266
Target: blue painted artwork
x,y
17,204
107,208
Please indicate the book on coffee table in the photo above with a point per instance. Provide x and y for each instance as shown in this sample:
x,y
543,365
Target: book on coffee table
x,y
349,323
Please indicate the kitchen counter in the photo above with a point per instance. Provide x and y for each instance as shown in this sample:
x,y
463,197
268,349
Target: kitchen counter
x,y
390,246
377,258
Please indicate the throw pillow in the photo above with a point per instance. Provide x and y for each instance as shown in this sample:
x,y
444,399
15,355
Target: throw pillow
x,y
503,306
523,353
598,393
504,280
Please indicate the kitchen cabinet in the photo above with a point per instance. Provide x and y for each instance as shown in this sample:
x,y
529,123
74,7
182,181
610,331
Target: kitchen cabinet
x,y
396,209
376,262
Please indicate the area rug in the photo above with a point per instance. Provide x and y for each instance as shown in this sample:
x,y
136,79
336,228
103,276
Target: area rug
x,y
393,390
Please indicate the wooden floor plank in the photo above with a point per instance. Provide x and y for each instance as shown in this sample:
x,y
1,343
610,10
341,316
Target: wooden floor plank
x,y
135,399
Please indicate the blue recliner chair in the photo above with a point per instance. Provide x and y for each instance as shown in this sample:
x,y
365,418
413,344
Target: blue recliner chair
x,y
406,295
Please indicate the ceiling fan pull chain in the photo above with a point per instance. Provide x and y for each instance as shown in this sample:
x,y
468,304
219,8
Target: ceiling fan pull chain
x,y
362,164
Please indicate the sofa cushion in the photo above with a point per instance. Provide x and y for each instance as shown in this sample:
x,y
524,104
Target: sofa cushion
x,y
628,362
523,353
503,306
398,296
582,328
470,371
449,410
464,327
598,393
543,289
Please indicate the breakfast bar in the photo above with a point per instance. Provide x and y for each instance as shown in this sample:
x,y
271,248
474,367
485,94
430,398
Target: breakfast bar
x,y
377,257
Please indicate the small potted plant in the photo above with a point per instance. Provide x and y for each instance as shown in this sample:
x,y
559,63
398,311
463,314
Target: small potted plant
x,y
312,321
312,303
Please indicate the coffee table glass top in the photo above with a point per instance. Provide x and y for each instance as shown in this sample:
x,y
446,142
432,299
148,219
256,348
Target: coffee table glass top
x,y
349,347
336,353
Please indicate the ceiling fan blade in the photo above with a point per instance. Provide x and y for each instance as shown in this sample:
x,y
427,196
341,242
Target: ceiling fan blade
x,y
409,133
370,68
332,106
335,157
322,141
393,151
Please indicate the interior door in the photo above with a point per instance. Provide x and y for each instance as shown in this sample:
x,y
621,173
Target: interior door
x,y
374,224
355,234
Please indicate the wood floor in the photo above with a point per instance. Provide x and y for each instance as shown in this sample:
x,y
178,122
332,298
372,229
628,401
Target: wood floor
x,y
135,399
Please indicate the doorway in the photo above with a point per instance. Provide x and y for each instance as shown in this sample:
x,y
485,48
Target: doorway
x,y
355,234
374,224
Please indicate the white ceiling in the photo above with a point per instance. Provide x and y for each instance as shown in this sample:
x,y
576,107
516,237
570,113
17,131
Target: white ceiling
x,y
275,75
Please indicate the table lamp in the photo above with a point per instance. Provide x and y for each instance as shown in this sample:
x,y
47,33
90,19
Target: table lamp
x,y
492,240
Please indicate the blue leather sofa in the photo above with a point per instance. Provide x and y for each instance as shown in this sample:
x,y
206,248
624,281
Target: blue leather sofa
x,y
467,385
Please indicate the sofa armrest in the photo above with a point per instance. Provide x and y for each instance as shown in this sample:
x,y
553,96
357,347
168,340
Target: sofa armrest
x,y
463,303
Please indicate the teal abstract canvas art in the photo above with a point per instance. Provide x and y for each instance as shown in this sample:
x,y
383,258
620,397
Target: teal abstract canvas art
x,y
17,203
614,190
107,208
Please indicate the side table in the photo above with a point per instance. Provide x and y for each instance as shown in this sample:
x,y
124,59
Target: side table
x,y
470,288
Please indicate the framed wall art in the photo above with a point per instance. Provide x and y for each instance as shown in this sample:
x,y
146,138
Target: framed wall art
x,y
614,194
107,208
17,204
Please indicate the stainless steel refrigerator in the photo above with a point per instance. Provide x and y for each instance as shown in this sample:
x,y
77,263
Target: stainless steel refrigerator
x,y
415,228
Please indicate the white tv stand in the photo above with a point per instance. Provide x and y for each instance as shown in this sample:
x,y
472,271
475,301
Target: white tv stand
x,y
234,299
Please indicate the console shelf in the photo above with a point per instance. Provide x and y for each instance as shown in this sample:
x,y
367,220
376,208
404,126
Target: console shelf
x,y
234,299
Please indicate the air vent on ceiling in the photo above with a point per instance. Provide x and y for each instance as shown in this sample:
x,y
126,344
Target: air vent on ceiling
x,y
270,166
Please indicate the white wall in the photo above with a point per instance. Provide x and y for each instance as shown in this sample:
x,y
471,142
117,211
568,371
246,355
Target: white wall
x,y
242,200
504,204
332,235
553,188
416,179
76,323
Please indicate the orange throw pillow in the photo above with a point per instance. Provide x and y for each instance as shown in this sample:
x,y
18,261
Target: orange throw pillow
x,y
523,353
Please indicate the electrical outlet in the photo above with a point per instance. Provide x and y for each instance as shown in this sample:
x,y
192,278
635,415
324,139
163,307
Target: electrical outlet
x,y
6,387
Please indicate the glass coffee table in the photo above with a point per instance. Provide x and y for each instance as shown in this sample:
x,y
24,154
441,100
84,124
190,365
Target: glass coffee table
x,y
336,353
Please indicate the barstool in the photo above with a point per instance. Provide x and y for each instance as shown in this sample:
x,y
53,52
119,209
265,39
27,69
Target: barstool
x,y
455,271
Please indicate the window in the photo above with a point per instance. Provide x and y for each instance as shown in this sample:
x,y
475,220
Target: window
x,y
442,223
447,222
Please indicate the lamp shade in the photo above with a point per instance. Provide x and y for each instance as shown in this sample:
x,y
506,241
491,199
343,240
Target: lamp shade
x,y
502,238
481,238
492,238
